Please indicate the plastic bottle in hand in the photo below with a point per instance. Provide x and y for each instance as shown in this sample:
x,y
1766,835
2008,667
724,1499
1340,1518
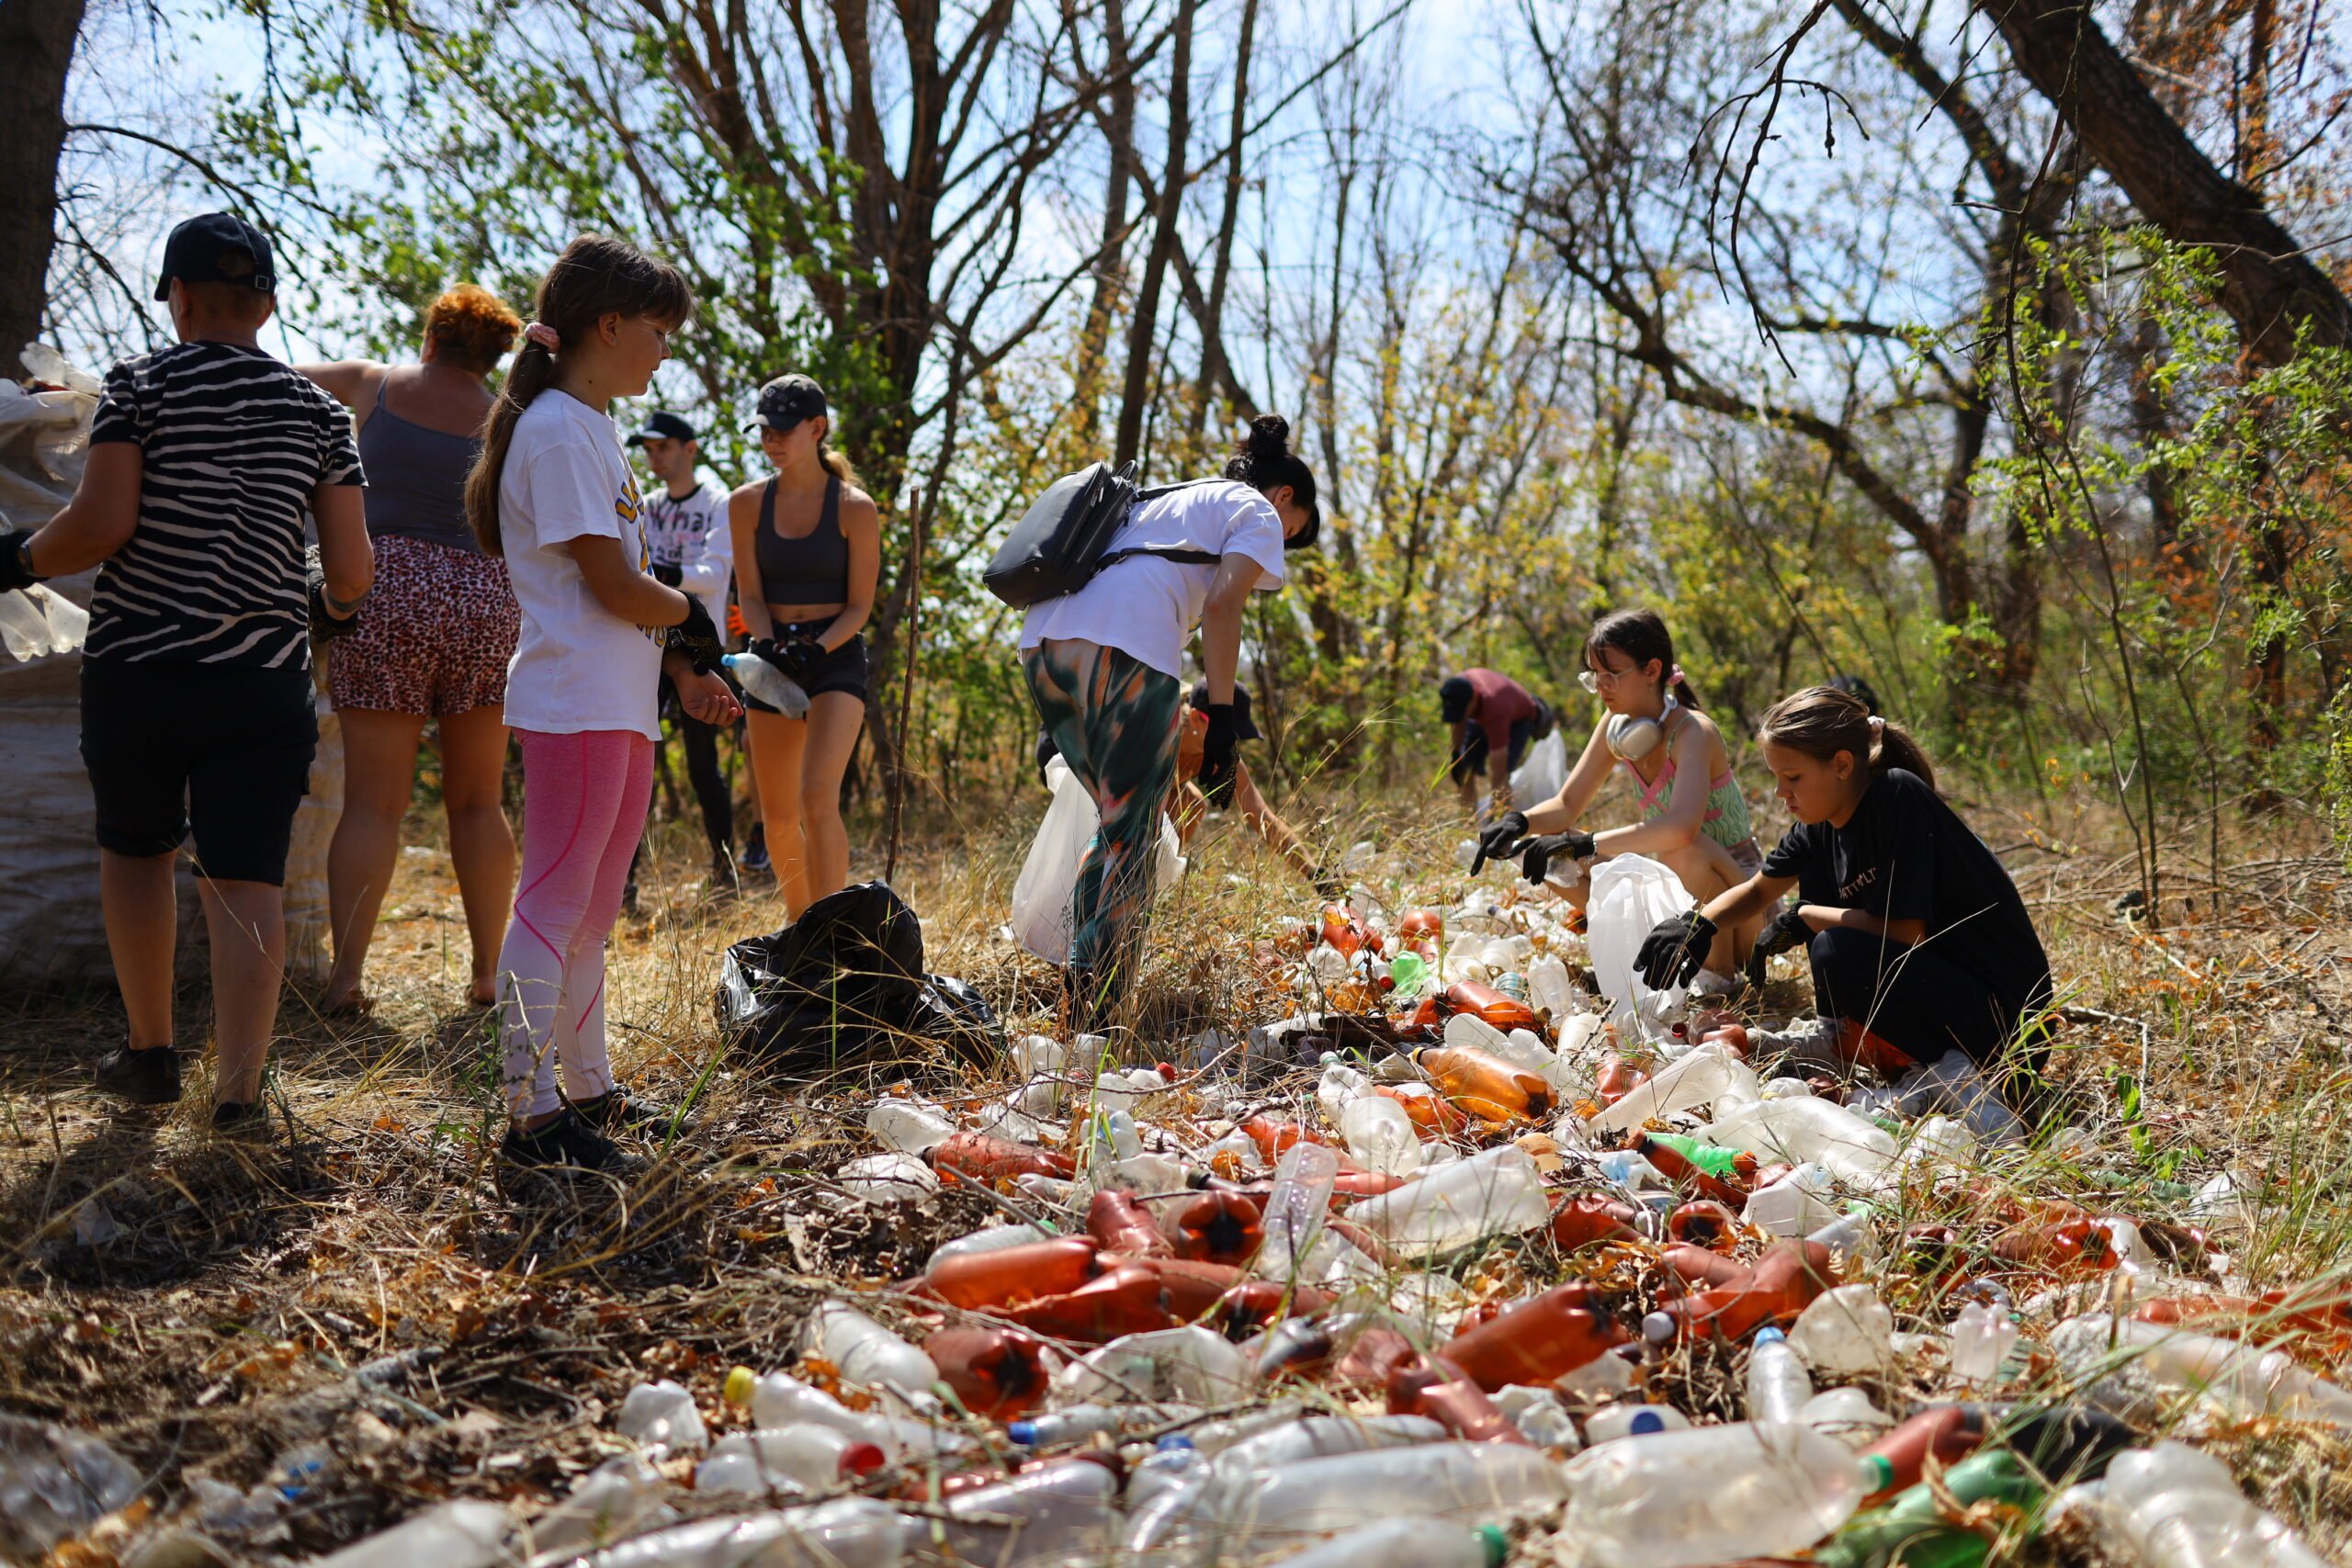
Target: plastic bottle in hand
x,y
768,683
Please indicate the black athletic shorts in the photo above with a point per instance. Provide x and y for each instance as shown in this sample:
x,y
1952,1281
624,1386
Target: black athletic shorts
x,y
221,747
844,670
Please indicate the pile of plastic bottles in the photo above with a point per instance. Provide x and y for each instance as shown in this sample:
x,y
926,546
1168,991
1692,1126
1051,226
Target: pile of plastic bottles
x,y
1444,1270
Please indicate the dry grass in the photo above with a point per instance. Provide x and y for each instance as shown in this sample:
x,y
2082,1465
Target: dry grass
x,y
215,1326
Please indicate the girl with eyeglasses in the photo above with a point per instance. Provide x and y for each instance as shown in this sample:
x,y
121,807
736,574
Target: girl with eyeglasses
x,y
1693,818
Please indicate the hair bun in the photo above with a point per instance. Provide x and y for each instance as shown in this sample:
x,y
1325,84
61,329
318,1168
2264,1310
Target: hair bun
x,y
1269,437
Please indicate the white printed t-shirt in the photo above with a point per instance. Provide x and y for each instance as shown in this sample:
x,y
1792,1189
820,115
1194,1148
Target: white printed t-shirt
x,y
690,532
578,667
1147,606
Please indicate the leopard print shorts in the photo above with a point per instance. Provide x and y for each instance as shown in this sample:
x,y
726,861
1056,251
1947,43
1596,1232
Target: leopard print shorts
x,y
435,636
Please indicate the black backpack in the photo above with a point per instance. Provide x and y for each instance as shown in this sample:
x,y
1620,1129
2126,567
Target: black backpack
x,y
1064,538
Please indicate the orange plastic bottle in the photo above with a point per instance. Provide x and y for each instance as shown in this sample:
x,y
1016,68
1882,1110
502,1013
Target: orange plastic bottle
x,y
1011,1275
1537,1340
1708,1270
978,1157
1487,1086
1129,1298
1368,1362
1704,1223
1273,1136
1424,931
1118,1224
1617,1078
1342,931
1219,1227
1426,1385
1581,1222
1253,1304
1194,1287
1681,1169
1784,1283
1491,1006
1950,1432
2069,1247
1434,1116
997,1372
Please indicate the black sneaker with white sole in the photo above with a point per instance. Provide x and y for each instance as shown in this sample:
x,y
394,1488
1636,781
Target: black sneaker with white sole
x,y
144,1078
566,1143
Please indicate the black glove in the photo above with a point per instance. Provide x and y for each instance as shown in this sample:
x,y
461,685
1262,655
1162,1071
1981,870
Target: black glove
x,y
1674,950
325,624
670,576
16,571
697,638
1500,841
1046,750
1536,854
794,655
1218,766
1784,930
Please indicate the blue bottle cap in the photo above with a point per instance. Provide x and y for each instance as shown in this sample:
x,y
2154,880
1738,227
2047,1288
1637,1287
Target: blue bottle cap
x,y
1022,1432
1645,1422
1766,1335
1171,1440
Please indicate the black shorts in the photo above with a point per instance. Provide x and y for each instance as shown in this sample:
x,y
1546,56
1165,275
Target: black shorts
x,y
844,670
1471,761
224,748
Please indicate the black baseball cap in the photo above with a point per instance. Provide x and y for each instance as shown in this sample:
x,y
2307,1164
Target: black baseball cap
x,y
786,401
1453,696
217,247
665,426
1242,728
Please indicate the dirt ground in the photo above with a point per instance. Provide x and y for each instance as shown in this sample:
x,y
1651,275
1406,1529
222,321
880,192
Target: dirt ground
x,y
204,1308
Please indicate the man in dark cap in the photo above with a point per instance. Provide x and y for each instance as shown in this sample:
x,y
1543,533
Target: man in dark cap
x,y
1494,720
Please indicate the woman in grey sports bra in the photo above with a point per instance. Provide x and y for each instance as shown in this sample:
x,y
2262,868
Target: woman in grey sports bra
x,y
808,554
434,644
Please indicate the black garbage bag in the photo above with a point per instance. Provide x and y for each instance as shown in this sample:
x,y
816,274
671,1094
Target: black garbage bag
x,y
842,984
950,1011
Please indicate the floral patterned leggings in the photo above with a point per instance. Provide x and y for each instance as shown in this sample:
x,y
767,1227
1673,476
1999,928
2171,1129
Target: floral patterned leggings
x,y
1114,718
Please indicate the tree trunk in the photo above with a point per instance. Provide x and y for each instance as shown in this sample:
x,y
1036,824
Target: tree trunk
x,y
1214,367
36,48
2269,285
1136,395
1110,274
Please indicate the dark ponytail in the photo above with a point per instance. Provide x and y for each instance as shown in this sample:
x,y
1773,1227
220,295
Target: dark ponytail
x,y
1262,460
1822,721
1641,636
597,275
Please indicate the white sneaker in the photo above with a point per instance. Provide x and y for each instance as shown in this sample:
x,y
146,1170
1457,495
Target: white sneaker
x,y
1714,986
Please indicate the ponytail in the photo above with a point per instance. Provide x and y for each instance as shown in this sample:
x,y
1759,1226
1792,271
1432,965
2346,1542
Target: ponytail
x,y
1262,460
834,461
596,276
1822,721
1641,636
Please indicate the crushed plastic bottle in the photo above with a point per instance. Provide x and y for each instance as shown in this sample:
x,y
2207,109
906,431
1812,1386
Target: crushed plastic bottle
x,y
55,1483
864,1353
2243,1381
1497,1193
1982,1338
2173,1506
849,1532
1709,1494
1845,1333
661,1419
453,1535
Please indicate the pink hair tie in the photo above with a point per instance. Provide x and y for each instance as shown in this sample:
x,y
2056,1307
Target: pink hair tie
x,y
544,335
1677,678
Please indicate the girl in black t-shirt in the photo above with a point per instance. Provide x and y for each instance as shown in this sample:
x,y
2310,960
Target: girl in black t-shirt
x,y
1918,941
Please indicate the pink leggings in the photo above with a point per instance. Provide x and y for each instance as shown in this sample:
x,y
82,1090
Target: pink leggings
x,y
584,798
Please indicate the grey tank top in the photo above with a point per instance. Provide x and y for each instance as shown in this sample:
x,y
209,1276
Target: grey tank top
x,y
416,478
812,570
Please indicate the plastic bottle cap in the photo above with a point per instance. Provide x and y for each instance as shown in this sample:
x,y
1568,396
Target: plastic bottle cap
x,y
1878,1471
739,1380
863,1459
1497,1544
1767,1336
1657,1328
1171,1440
1647,1422
1022,1432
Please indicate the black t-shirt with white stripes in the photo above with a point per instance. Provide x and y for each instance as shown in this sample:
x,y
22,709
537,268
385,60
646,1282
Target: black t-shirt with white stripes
x,y
231,444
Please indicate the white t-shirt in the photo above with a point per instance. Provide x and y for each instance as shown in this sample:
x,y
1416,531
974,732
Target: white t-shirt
x,y
690,532
1147,606
578,667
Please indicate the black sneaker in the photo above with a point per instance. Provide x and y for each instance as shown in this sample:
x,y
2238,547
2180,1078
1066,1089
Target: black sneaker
x,y
144,1078
245,1122
566,1142
617,1110
755,854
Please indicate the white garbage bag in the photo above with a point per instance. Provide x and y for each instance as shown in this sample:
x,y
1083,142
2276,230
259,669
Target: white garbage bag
x,y
1539,777
1041,893
1630,895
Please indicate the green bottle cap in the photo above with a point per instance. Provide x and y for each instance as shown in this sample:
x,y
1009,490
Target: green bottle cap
x,y
1878,1471
1497,1545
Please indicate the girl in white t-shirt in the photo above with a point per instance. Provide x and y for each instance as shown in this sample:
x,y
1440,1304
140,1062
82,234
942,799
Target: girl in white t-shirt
x,y
554,495
1103,665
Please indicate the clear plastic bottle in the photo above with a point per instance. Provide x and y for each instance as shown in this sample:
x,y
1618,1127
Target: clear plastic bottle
x,y
1296,1207
1700,1077
1982,1338
863,1352
1340,1084
1407,1543
2244,1380
1499,1192
1321,1437
990,1239
2178,1507
1191,1363
1799,1203
1709,1494
1055,1514
768,683
780,1400
1777,1384
1805,1129
1539,1416
1611,1422
1380,1136
806,1458
849,1532
1847,1414
660,1417
1076,1421
455,1534
908,1127
891,1177
1552,990
1846,1331
1463,1481
616,1500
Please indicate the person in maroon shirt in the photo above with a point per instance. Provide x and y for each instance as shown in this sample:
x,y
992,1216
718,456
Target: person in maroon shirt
x,y
1494,720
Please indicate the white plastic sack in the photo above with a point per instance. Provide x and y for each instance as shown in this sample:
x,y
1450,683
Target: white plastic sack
x,y
1041,893
1630,895
1539,778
